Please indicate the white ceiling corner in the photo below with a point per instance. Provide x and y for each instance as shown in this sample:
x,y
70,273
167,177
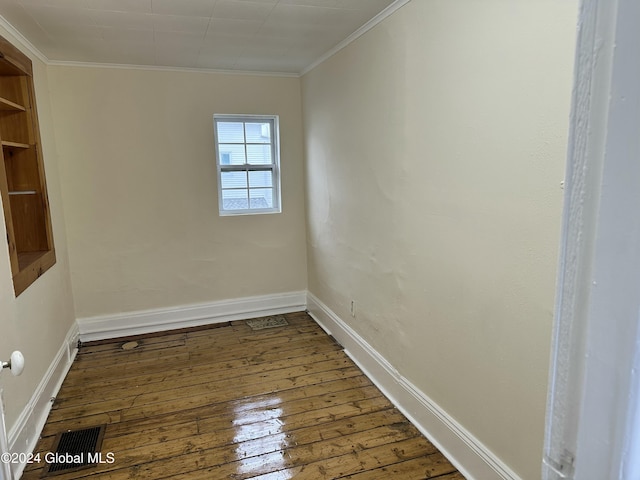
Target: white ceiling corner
x,y
261,36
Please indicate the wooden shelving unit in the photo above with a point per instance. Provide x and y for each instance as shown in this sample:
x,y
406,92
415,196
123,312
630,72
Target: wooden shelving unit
x,y
8,105
22,181
7,144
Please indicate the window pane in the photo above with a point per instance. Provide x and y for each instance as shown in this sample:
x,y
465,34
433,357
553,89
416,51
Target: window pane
x,y
230,132
234,200
247,158
261,197
258,132
234,180
225,158
259,154
261,179
231,154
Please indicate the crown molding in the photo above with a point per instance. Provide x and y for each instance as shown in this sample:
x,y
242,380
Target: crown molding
x,y
387,12
64,63
22,40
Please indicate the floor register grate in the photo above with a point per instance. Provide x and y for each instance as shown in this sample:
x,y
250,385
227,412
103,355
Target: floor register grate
x,y
75,450
267,322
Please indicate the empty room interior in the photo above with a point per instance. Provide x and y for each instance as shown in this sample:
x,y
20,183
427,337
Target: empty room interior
x,y
414,199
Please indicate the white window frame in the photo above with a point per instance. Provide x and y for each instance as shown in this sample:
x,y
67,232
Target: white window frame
x,y
247,167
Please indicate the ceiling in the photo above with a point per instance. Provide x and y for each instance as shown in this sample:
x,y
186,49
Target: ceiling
x,y
277,36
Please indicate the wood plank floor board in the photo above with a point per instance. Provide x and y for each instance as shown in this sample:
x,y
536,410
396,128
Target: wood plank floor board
x,y
110,375
113,388
431,467
97,354
246,365
215,377
146,343
235,403
254,441
260,421
224,369
316,396
160,360
144,405
302,417
335,465
310,381
372,445
157,363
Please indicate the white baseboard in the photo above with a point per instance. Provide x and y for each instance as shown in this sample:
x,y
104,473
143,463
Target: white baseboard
x,y
473,459
150,321
24,434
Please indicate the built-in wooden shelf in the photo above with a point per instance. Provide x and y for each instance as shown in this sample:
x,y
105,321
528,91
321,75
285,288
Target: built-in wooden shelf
x,y
7,67
32,266
23,192
27,258
6,143
9,106
22,178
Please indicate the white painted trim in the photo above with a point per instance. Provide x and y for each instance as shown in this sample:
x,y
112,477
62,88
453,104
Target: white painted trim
x,y
5,468
593,405
387,12
24,434
160,68
23,40
472,458
149,321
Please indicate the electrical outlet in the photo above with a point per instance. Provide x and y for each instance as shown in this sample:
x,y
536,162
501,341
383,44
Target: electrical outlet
x,y
353,308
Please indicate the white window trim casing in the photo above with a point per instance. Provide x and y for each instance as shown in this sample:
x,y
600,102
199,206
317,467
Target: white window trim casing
x,y
274,167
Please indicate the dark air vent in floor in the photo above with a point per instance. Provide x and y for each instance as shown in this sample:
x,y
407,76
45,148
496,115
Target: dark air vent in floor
x,y
75,450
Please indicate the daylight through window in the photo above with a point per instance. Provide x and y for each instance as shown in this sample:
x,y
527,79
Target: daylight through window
x,y
247,156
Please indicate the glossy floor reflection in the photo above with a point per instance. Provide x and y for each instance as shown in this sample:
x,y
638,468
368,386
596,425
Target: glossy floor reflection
x,y
263,443
233,403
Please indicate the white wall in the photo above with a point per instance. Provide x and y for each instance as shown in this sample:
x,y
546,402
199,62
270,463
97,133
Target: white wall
x,y
435,150
137,167
38,320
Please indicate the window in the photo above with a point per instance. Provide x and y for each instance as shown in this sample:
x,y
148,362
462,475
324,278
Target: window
x,y
247,157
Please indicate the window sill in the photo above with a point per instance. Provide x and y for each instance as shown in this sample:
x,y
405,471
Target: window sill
x,y
236,213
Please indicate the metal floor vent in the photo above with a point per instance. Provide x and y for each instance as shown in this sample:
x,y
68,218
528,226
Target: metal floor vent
x,y
75,450
267,322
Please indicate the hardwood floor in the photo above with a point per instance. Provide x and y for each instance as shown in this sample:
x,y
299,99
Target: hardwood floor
x,y
234,403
